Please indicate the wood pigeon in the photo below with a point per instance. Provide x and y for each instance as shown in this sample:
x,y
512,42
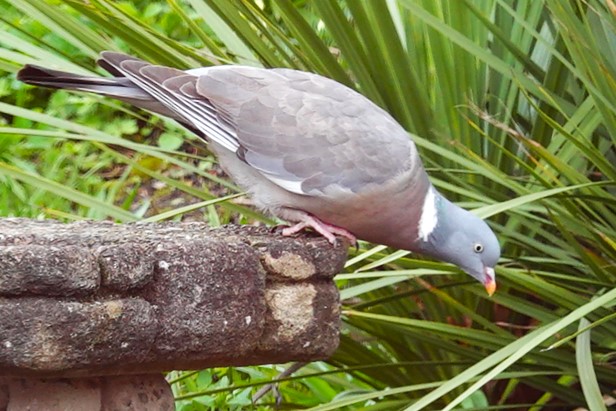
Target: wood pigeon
x,y
308,149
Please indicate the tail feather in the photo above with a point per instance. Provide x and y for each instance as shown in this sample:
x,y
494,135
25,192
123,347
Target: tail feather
x,y
31,73
119,87
113,60
109,68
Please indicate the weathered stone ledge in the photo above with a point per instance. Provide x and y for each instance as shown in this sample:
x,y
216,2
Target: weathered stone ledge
x,y
96,298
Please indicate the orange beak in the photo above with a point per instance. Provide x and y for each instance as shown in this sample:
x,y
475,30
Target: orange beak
x,y
490,284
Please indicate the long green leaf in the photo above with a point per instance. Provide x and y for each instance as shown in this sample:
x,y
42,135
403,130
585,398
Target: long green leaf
x,y
588,379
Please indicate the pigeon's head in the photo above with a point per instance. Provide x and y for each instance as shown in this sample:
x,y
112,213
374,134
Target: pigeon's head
x,y
461,238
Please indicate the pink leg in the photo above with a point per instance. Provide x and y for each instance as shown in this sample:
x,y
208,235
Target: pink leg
x,y
326,230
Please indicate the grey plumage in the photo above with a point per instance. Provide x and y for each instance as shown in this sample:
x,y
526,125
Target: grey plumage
x,y
309,150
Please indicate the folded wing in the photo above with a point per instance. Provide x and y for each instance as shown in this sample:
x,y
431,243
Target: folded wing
x,y
306,133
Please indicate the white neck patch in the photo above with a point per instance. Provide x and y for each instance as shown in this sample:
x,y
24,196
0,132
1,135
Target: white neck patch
x,y
429,218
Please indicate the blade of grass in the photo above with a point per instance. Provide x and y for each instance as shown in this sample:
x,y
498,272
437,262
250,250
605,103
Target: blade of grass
x,y
586,371
66,192
507,356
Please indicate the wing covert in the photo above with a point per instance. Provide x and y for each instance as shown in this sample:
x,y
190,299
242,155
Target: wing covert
x,y
308,133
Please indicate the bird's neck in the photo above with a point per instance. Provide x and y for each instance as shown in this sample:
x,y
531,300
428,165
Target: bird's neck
x,y
429,219
436,216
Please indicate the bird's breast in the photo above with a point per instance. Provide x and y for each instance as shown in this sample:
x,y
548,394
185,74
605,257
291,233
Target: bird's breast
x,y
389,214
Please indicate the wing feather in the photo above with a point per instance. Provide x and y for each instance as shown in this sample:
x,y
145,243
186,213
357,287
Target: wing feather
x,y
152,78
300,127
305,133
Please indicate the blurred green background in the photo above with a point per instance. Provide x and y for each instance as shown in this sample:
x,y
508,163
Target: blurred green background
x,y
513,107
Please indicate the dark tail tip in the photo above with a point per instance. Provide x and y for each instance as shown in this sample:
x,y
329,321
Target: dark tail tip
x,y
41,76
30,72
44,77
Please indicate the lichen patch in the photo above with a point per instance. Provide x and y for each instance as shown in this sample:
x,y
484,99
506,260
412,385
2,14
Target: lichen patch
x,y
292,307
289,265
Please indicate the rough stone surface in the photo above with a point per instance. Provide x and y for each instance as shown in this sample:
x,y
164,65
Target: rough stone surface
x,y
40,335
53,395
4,393
96,298
125,266
122,393
47,270
296,261
207,289
136,393
289,265
303,319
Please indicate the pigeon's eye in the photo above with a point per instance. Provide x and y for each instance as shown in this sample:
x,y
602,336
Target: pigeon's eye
x,y
478,248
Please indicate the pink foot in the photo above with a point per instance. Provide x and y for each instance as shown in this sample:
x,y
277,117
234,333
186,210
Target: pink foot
x,y
326,230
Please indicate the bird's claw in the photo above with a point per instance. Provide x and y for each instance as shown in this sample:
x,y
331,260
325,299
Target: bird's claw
x,y
326,230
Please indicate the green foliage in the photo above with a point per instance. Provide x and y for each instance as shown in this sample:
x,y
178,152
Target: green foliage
x,y
513,106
